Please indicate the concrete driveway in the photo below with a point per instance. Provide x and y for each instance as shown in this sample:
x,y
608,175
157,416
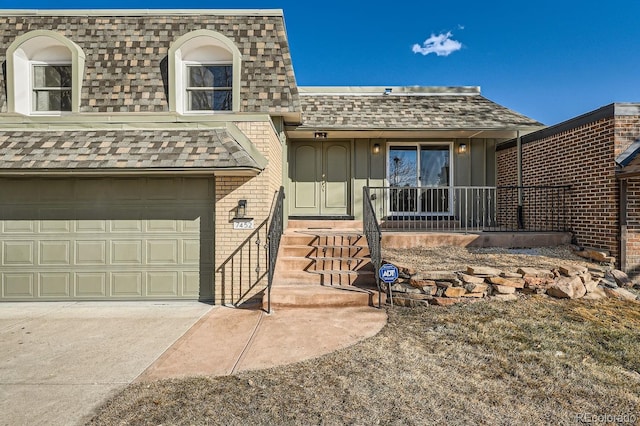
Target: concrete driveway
x,y
59,360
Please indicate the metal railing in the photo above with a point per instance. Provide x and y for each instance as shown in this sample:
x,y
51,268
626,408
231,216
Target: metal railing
x,y
242,273
471,208
373,235
273,239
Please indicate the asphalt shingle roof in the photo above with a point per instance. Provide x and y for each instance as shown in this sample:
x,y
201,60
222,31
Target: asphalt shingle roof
x,y
121,150
407,112
126,65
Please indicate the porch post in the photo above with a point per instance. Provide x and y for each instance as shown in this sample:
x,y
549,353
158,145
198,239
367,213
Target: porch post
x,y
519,177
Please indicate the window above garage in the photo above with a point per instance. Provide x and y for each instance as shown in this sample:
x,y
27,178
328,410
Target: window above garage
x,y
54,67
204,73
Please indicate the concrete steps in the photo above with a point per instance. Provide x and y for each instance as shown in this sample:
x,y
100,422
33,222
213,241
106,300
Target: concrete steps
x,y
323,263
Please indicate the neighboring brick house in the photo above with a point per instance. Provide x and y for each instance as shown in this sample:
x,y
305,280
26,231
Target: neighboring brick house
x,y
595,154
130,140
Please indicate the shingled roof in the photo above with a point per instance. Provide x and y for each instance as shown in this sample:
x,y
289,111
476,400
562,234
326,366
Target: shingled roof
x,y
443,109
126,54
122,149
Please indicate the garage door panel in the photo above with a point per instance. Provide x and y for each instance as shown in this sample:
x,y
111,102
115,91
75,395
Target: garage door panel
x,y
17,285
161,225
162,252
54,284
162,284
18,226
126,284
90,284
124,238
126,252
190,283
91,252
55,252
17,253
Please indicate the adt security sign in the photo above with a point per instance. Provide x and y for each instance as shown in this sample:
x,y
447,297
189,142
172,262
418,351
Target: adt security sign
x,y
388,273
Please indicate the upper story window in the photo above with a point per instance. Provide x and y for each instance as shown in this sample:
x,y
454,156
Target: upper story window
x,y
209,87
52,85
204,73
44,74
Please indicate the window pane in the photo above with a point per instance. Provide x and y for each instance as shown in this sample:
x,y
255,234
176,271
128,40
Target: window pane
x,y
52,76
210,76
53,100
210,100
403,166
434,165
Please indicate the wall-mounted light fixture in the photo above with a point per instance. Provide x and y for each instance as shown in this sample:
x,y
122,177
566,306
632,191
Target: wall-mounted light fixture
x,y
320,135
241,209
462,148
376,149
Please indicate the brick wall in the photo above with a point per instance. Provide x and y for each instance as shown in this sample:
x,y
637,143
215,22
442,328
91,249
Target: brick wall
x,y
259,192
627,131
582,157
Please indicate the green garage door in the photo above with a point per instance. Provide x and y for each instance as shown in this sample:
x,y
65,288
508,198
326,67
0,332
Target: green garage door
x,y
106,238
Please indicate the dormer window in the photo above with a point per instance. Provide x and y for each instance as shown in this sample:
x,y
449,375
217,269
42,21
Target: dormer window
x,y
204,73
51,85
209,87
44,74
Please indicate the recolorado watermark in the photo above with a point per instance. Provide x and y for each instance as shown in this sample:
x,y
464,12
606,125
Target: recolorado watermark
x,y
606,418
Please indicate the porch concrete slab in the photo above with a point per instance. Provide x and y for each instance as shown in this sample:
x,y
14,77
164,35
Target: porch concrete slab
x,y
481,239
227,341
59,360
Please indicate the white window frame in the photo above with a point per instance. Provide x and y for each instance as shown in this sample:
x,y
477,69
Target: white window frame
x,y
187,88
192,48
417,145
32,87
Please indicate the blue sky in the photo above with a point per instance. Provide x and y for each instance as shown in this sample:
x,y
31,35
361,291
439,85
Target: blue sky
x,y
550,60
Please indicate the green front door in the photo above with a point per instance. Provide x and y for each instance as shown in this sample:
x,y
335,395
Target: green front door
x,y
320,178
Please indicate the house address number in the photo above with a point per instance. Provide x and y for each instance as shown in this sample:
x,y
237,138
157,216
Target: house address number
x,y
243,224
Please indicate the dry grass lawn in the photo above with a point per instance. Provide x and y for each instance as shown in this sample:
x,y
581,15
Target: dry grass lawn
x,y
534,361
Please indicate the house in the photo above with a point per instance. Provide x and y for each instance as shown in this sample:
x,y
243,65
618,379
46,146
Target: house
x,y
142,152
596,155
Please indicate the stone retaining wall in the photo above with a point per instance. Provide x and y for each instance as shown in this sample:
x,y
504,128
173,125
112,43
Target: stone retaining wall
x,y
569,281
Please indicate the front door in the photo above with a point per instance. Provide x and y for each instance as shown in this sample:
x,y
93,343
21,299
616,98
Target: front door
x,y
320,178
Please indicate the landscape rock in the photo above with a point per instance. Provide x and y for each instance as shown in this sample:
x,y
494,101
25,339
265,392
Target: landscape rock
x,y
445,301
471,279
409,303
404,288
567,288
455,291
621,278
511,275
485,271
534,272
438,276
428,290
419,283
594,254
476,288
620,293
509,282
473,295
571,270
503,289
596,294
537,283
607,282
591,285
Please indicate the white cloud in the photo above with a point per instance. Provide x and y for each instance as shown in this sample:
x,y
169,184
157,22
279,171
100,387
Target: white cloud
x,y
441,45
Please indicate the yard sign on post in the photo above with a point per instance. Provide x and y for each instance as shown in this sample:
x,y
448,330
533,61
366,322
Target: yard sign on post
x,y
389,274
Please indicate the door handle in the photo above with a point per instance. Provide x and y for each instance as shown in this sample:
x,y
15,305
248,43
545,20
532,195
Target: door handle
x,y
324,182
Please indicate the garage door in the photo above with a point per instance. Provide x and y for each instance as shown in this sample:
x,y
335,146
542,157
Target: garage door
x,y
106,238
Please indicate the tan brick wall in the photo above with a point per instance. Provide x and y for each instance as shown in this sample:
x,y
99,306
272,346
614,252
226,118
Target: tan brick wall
x,y
259,192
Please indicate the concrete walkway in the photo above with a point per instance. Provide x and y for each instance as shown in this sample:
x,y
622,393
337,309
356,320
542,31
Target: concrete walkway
x,y
227,341
60,360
